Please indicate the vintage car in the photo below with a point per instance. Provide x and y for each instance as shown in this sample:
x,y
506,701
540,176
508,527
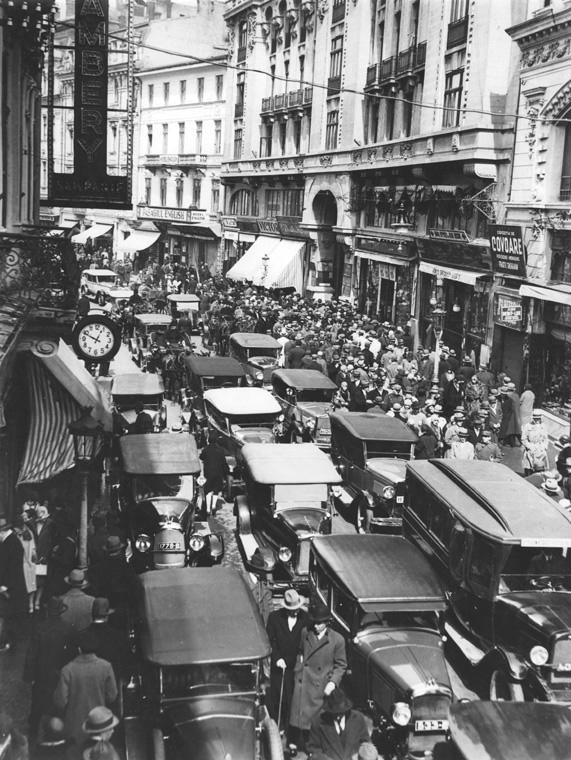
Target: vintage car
x,y
387,602
288,500
371,451
148,327
158,497
506,730
498,543
187,304
306,396
258,353
202,642
238,416
203,373
102,285
132,388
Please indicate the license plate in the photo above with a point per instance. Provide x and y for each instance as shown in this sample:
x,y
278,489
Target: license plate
x,y
421,726
400,499
166,546
564,666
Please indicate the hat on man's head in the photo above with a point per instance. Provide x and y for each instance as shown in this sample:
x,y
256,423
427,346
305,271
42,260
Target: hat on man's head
x,y
99,720
5,524
337,702
553,474
537,413
100,608
318,612
503,389
507,379
51,732
113,546
510,386
550,485
76,579
493,392
56,606
367,751
292,600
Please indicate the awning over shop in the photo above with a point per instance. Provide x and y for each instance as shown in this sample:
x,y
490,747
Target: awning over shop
x,y
210,229
554,294
138,240
383,258
68,223
285,267
448,273
96,230
251,262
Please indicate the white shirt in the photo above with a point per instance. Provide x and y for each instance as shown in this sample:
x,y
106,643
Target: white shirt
x,y
340,724
291,621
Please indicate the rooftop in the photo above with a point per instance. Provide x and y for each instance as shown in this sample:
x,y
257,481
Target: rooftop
x,y
373,427
243,401
289,463
159,454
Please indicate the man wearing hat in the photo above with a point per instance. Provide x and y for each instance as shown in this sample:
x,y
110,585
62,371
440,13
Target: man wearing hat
x,y
284,629
112,644
338,731
78,604
320,666
551,488
535,441
462,448
113,578
510,428
13,592
486,450
357,396
494,413
51,647
453,395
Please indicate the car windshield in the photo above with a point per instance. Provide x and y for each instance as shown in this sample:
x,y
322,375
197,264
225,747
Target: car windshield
x,y
535,568
401,619
220,382
149,486
387,449
106,279
211,679
317,395
261,353
253,420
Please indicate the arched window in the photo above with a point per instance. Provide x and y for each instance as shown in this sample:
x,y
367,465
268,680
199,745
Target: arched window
x,y
244,203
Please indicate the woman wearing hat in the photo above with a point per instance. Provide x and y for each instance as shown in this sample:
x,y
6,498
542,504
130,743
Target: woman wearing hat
x,y
99,727
320,666
535,441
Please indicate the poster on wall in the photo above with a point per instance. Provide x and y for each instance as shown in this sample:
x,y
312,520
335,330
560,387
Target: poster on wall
x,y
507,249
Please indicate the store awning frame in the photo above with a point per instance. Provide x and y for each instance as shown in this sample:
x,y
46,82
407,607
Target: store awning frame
x,y
466,276
248,266
383,258
95,231
285,266
138,240
546,293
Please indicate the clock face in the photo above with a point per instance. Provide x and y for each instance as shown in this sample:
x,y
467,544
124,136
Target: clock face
x,y
96,338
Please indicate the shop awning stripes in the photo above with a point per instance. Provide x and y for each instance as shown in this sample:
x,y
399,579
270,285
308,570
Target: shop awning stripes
x,y
49,448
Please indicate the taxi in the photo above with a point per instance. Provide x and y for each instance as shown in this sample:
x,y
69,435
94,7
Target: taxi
x,y
258,353
131,388
306,396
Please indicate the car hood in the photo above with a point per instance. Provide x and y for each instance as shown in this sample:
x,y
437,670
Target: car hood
x,y
314,408
391,469
254,435
411,657
548,610
215,728
120,292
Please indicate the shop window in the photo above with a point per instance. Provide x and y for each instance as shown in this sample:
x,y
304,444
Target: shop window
x,y
331,130
453,88
243,203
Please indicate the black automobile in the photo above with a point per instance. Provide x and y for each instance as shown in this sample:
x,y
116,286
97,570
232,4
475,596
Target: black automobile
x,y
306,397
258,353
387,602
288,501
371,451
158,492
499,544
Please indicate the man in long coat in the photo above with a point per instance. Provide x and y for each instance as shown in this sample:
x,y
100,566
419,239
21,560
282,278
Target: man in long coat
x,y
510,427
320,666
338,731
13,592
79,605
284,629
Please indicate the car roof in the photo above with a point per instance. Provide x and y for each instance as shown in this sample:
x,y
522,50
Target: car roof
x,y
304,379
183,298
184,622
289,463
494,500
137,383
254,340
216,366
154,319
100,272
511,730
369,426
159,454
381,569
242,401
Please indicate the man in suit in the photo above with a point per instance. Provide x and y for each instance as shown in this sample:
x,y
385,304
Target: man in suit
x,y
338,731
284,629
13,592
320,666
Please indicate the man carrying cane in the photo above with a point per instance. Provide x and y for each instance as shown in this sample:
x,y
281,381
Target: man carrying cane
x,y
284,632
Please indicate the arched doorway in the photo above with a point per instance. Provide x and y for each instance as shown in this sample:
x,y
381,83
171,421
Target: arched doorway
x,y
325,208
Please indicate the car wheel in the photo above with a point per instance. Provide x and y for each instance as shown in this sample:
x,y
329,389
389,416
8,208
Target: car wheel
x,y
272,748
503,689
101,299
158,744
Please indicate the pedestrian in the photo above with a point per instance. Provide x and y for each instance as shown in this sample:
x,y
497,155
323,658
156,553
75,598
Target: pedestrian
x,y
215,467
143,422
13,594
462,448
510,427
487,450
51,647
284,629
84,683
426,446
99,727
320,666
61,559
526,404
111,642
45,536
453,395
96,538
338,730
494,413
474,395
13,744
535,441
26,538
78,603
113,578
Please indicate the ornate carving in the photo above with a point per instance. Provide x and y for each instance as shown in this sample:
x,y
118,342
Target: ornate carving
x,y
533,109
545,53
283,163
405,149
455,143
251,30
372,154
325,160
231,40
256,165
322,9
356,156
269,163
388,151
298,162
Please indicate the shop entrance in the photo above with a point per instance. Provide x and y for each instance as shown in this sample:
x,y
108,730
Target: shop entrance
x,y
507,353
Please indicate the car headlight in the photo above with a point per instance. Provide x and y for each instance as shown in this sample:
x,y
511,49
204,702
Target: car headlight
x,y
388,492
201,480
281,418
401,714
284,554
259,375
538,655
196,543
310,423
143,543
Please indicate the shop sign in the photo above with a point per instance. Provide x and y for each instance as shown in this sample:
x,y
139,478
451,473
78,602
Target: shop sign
x,y
508,252
185,215
465,255
508,311
289,227
248,224
377,245
89,185
229,221
231,235
268,226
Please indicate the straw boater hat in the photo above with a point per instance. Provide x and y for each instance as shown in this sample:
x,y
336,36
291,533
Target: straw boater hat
x,y
292,600
550,485
99,720
76,579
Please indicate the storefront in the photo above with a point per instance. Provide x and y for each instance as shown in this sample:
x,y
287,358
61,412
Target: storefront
x,y
238,235
462,291
188,237
139,244
385,270
509,343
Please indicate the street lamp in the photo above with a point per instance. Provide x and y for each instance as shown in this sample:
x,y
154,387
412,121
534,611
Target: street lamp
x,y
265,261
87,436
438,314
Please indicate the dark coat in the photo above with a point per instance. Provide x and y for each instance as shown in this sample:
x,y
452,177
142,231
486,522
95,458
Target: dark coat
x,y
113,579
79,607
61,562
112,645
357,399
294,357
426,446
324,739
319,661
12,576
285,645
452,396
511,420
143,424
215,466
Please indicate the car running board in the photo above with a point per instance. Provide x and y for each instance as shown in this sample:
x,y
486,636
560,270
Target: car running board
x,y
472,653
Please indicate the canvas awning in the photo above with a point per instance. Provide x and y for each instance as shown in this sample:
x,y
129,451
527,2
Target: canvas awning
x,y
284,268
467,276
138,240
553,294
96,230
247,267
383,258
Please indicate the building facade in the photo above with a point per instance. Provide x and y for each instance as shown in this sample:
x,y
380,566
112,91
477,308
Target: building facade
x,y
383,132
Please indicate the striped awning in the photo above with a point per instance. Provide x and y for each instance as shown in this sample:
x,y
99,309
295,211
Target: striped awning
x,y
49,448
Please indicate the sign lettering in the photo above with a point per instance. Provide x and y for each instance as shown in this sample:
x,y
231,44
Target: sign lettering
x,y
508,252
184,215
508,311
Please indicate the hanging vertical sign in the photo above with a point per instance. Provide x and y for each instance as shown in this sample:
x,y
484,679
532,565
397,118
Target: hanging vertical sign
x,y
90,185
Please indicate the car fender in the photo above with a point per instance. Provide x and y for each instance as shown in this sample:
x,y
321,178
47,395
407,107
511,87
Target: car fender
x,y
509,662
243,513
216,547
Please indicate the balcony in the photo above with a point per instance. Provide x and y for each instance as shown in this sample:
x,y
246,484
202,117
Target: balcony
x,y
333,86
405,61
307,95
267,104
280,101
457,33
296,100
338,12
238,110
372,74
388,70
